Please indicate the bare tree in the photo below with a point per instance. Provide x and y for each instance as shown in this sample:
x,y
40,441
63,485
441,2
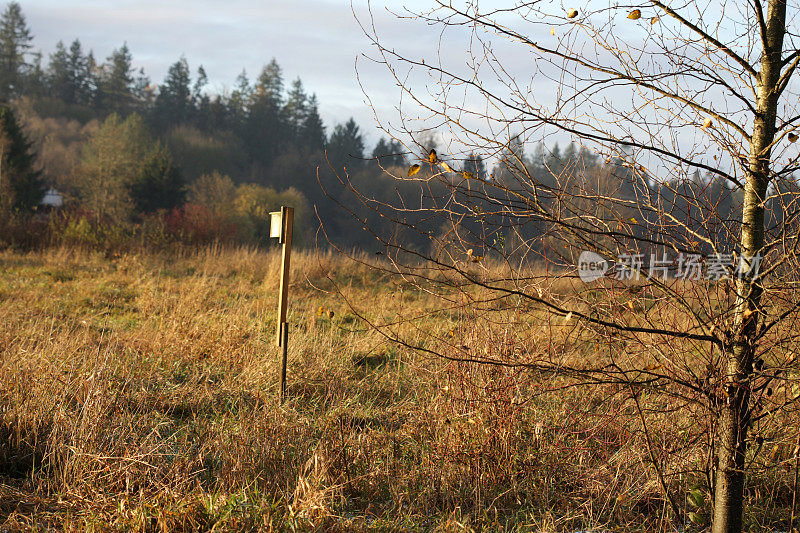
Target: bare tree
x,y
685,120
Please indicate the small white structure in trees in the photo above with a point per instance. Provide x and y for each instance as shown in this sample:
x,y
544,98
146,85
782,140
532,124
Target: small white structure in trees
x,y
52,199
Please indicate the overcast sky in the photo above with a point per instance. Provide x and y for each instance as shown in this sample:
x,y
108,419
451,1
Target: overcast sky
x,y
317,40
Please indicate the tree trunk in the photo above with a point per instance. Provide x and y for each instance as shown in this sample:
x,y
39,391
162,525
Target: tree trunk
x,y
735,413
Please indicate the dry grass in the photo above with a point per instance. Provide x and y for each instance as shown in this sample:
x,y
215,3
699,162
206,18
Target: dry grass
x,y
139,393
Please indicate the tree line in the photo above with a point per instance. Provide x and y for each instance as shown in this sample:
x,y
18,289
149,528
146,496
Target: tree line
x,y
129,154
122,148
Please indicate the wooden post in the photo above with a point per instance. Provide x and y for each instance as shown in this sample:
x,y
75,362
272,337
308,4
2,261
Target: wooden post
x,y
284,234
287,217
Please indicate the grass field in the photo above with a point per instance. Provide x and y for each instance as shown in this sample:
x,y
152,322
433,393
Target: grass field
x,y
139,392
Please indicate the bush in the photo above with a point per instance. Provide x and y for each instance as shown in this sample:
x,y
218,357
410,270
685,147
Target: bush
x,y
254,203
79,231
197,224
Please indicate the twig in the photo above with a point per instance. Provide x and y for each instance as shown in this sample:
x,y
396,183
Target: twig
x,y
650,452
794,487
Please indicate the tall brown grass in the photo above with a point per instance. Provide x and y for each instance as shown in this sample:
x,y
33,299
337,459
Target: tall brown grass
x,y
140,393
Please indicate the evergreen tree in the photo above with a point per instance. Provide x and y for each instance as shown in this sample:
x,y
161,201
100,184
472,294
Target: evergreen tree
x,y
202,101
474,164
34,80
217,115
427,142
21,188
511,162
570,154
58,74
389,153
312,131
296,108
539,157
80,75
346,145
265,131
15,41
554,158
68,76
239,101
143,92
116,84
270,83
159,185
92,82
588,158
174,104
267,97
199,84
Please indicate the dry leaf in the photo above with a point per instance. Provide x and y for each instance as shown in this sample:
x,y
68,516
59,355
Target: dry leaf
x,y
553,30
707,123
792,137
653,20
432,156
572,13
413,169
635,14
445,167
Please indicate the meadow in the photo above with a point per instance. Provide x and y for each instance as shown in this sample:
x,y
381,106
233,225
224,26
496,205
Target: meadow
x,y
139,392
